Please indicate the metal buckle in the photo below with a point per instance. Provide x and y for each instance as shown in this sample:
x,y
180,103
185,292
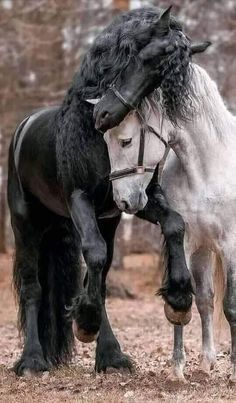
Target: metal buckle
x,y
140,169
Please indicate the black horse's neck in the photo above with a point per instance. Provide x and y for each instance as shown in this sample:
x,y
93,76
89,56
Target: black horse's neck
x,y
82,158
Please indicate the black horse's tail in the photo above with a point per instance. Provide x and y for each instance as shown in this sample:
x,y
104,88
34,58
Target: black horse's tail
x,y
59,277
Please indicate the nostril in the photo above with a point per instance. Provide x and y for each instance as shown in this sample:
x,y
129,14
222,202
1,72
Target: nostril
x,y
140,198
100,121
125,205
104,115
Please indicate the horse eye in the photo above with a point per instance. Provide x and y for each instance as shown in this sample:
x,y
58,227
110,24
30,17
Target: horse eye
x,y
125,142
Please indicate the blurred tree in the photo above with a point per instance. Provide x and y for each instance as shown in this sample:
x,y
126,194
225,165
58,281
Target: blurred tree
x,y
122,5
3,209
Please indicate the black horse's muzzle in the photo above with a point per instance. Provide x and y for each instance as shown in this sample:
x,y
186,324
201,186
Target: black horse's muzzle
x,y
111,110
106,119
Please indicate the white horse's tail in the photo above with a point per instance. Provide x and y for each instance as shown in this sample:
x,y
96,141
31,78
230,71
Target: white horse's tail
x,y
219,291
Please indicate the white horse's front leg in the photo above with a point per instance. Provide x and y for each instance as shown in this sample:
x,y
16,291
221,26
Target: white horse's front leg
x,y
178,357
201,267
230,305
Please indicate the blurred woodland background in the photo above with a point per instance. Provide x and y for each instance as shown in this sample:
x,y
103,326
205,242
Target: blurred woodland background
x,y
41,45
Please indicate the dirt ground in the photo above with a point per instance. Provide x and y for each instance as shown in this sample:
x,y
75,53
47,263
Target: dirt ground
x,y
144,334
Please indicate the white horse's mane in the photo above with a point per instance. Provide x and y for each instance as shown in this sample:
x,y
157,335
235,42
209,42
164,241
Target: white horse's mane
x,y
209,104
205,103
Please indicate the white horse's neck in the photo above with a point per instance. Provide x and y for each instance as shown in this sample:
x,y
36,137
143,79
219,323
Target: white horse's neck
x,y
205,145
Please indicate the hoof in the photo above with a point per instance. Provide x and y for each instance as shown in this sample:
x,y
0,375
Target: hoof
x,y
87,319
232,379
82,335
176,376
203,372
31,365
113,361
29,373
206,366
177,317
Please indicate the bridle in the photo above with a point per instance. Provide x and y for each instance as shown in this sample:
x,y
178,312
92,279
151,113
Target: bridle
x,y
140,168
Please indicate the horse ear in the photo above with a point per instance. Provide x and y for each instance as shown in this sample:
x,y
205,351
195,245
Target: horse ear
x,y
93,101
165,16
162,25
199,47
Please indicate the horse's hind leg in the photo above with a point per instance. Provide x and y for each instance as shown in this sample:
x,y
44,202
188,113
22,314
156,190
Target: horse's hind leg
x,y
29,291
230,305
27,227
201,262
108,351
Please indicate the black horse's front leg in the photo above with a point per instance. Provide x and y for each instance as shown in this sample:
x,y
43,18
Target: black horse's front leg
x,y
87,310
177,287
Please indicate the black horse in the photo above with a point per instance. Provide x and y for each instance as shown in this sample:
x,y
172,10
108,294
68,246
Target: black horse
x,y
58,187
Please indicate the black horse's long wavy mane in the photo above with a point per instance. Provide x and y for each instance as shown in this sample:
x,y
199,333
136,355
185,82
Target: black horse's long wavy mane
x,y
111,53
122,41
82,159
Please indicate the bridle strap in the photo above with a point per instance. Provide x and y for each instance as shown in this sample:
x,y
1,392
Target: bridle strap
x,y
150,129
141,147
140,168
121,98
122,173
132,107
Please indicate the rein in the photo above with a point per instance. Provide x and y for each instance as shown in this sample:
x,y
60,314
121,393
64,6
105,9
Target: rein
x,y
140,168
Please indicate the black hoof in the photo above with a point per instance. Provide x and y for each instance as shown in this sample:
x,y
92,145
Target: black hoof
x,y
87,315
180,298
82,335
180,318
30,364
111,358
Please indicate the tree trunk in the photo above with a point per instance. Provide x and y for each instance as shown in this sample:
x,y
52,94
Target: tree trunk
x,y
122,5
3,213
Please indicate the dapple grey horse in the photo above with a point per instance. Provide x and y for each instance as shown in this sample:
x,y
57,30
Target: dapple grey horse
x,y
199,182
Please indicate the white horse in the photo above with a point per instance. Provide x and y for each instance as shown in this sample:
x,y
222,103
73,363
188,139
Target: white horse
x,y
200,183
